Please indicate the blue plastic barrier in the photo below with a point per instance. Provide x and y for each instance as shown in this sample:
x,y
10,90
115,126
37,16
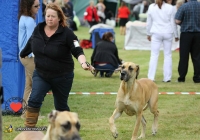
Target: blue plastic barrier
x,y
100,32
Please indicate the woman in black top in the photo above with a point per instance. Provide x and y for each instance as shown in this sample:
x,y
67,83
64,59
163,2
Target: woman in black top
x,y
105,56
53,45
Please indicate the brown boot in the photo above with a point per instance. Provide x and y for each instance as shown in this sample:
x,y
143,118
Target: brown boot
x,y
31,116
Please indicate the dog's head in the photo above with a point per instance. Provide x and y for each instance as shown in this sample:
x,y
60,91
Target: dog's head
x,y
64,125
129,70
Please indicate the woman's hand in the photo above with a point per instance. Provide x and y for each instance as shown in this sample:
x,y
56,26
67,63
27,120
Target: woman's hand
x,y
176,39
149,38
87,66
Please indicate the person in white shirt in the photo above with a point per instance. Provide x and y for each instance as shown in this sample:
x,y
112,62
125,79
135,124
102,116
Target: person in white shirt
x,y
160,29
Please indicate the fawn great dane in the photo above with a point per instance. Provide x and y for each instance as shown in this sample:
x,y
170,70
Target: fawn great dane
x,y
133,97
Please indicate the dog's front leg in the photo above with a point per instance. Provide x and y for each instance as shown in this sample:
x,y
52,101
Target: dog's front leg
x,y
116,114
137,126
142,135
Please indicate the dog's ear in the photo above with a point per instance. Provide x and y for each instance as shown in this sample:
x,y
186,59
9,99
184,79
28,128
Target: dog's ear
x,y
118,69
137,71
52,116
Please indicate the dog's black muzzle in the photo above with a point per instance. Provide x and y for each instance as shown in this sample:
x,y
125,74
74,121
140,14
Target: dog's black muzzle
x,y
123,73
124,76
75,137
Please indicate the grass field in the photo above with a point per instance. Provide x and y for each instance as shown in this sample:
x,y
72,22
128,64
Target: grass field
x,y
179,117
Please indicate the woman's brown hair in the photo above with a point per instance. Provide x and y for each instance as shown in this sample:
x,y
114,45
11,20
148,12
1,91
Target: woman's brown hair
x,y
101,1
107,36
61,15
123,4
25,8
159,3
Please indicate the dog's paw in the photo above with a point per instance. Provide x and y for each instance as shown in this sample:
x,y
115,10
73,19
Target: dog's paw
x,y
154,133
114,132
115,135
134,138
141,136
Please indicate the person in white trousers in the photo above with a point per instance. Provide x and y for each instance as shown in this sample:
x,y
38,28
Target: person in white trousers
x,y
161,28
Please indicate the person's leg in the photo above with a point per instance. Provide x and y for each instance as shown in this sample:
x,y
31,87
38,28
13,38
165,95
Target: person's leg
x,y
107,68
185,44
195,55
100,68
90,23
125,20
61,87
29,66
121,26
94,23
102,19
40,87
39,90
110,70
121,30
156,40
124,30
167,67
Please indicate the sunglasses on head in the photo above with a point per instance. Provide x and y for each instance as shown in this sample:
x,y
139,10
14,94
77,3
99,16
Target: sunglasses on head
x,y
36,6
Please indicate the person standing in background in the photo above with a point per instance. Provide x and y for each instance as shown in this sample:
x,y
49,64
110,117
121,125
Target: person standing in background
x,y
90,14
188,17
123,15
160,29
27,14
179,3
140,8
69,12
173,3
44,3
101,10
61,4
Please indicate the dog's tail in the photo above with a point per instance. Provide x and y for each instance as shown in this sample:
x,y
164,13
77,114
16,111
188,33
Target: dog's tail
x,y
145,107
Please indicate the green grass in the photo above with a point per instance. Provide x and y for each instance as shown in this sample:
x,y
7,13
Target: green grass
x,y
179,117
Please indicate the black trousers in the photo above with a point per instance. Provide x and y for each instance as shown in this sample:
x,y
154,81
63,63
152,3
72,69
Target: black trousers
x,y
91,23
60,86
189,45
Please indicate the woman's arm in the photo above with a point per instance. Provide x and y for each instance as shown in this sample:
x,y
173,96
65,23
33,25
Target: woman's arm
x,y
77,51
30,25
27,49
149,24
174,26
117,56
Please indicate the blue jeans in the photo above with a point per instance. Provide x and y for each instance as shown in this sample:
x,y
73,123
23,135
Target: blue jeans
x,y
60,87
108,68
